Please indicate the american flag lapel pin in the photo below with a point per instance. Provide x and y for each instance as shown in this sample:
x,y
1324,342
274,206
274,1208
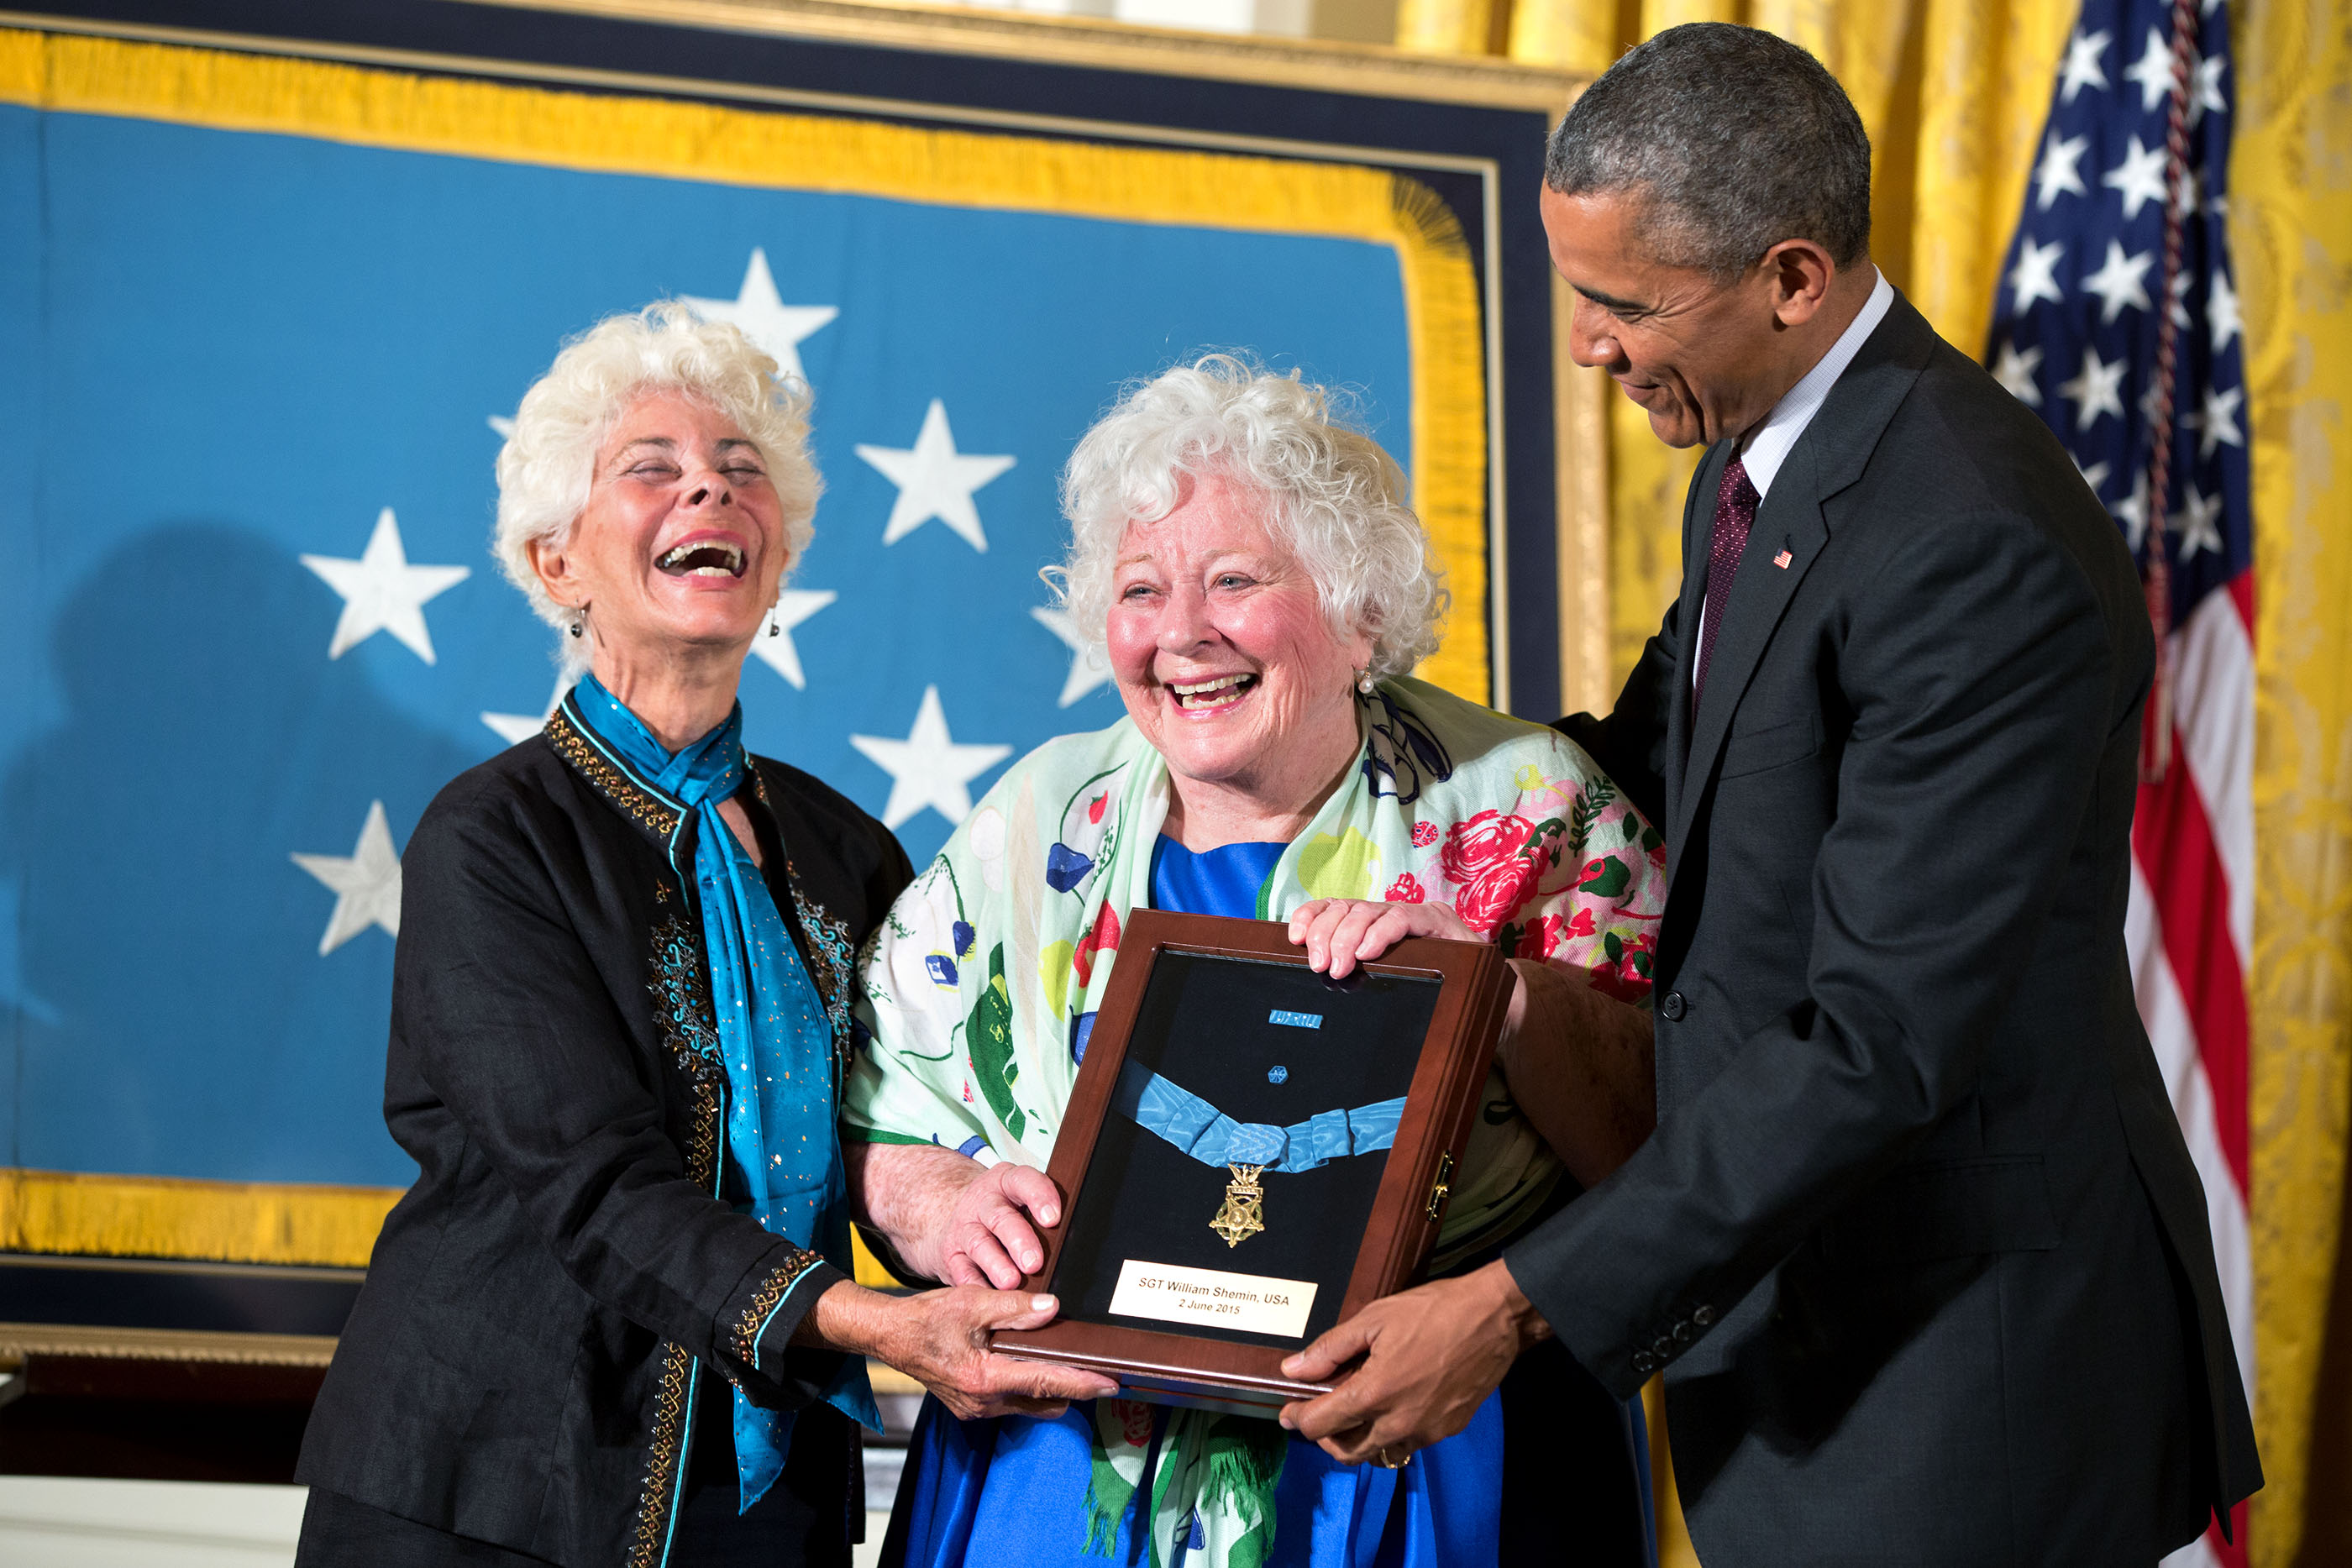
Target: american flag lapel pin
x,y
1782,560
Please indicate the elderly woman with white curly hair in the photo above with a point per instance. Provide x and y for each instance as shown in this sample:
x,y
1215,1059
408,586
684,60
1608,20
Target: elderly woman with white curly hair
x,y
607,1325
1263,592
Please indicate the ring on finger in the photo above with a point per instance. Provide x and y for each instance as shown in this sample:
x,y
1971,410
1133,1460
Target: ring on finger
x,y
1380,1458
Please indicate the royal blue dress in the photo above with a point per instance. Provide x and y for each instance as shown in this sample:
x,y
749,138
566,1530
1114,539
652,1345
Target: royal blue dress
x,y
1009,1493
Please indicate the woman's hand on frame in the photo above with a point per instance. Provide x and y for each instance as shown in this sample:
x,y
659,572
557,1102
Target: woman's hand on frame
x,y
1340,933
989,1237
939,1338
951,1219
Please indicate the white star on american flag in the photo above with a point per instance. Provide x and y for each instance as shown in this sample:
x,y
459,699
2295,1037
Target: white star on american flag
x,y
2059,170
2082,69
2194,523
2132,512
2015,371
2221,311
2119,282
2096,389
2216,422
2205,87
2035,275
2153,72
2140,176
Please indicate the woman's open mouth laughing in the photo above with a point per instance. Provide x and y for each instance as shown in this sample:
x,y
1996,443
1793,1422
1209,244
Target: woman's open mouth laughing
x,y
1217,692
702,558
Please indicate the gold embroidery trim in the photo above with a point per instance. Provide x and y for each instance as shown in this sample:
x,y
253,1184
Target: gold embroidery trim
x,y
633,799
745,1333
682,1005
661,1461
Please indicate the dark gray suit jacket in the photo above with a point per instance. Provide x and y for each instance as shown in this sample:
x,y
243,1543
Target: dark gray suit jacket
x,y
1917,1240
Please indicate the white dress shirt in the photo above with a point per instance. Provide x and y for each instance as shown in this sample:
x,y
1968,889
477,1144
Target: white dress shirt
x,y
1767,445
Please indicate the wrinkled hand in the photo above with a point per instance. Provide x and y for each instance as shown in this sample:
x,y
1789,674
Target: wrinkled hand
x,y
939,1338
988,1239
1341,932
1430,1356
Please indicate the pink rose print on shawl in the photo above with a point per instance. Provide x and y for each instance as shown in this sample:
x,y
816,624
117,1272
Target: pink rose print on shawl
x,y
1580,890
1544,935
1482,859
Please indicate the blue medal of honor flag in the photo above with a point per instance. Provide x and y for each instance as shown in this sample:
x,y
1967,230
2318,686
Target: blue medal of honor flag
x,y
253,623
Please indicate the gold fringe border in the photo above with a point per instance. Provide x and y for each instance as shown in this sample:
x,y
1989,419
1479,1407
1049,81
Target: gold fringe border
x,y
171,1217
1449,426
476,119
20,1341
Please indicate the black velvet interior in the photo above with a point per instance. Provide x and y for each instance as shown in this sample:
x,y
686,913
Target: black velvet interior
x,y
1205,1026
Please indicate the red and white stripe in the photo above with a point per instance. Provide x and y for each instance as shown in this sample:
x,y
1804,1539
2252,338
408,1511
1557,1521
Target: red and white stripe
x,y
2190,934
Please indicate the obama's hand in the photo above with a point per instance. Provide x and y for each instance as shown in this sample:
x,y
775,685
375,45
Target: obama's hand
x,y
1429,1358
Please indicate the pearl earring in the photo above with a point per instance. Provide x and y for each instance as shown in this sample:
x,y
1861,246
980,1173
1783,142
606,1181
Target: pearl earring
x,y
579,619
1364,682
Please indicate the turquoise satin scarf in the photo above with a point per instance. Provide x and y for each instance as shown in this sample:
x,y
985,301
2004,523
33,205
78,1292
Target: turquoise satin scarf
x,y
774,1039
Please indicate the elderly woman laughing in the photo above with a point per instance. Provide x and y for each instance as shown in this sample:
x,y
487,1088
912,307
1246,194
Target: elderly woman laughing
x,y
605,1326
1262,591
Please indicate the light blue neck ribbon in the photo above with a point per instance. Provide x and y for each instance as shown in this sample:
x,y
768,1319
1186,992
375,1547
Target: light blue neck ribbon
x,y
1214,1138
775,1039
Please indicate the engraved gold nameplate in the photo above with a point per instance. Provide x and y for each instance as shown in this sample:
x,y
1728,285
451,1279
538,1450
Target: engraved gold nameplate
x,y
1255,1304
1244,1214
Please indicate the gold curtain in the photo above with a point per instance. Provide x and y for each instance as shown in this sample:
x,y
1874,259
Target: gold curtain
x,y
2291,239
1953,93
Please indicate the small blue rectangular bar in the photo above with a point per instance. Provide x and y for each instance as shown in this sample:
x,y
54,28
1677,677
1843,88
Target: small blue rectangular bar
x,y
1298,1020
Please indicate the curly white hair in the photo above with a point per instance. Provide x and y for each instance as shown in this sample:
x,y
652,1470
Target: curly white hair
x,y
546,466
1334,498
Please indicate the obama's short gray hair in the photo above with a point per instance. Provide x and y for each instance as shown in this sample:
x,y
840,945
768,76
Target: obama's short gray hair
x,y
1730,139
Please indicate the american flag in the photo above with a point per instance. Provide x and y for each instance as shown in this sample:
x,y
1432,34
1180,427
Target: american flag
x,y
2117,321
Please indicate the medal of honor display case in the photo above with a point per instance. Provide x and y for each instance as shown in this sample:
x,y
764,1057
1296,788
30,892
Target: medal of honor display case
x,y
1253,1152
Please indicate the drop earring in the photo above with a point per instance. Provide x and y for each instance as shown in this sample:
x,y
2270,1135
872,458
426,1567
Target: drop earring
x,y
579,621
1364,682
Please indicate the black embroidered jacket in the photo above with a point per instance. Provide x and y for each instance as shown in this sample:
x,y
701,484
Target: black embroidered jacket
x,y
550,1301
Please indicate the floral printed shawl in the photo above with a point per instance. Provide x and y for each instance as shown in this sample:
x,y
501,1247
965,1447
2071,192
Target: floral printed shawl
x,y
981,986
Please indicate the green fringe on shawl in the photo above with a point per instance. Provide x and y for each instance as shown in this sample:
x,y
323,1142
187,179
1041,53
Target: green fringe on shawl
x,y
1243,1463
1245,1459
1108,1496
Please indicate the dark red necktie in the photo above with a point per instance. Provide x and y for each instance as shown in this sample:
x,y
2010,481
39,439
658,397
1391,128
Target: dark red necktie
x,y
1734,514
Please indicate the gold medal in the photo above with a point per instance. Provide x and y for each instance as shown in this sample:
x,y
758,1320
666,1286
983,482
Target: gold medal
x,y
1244,1214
